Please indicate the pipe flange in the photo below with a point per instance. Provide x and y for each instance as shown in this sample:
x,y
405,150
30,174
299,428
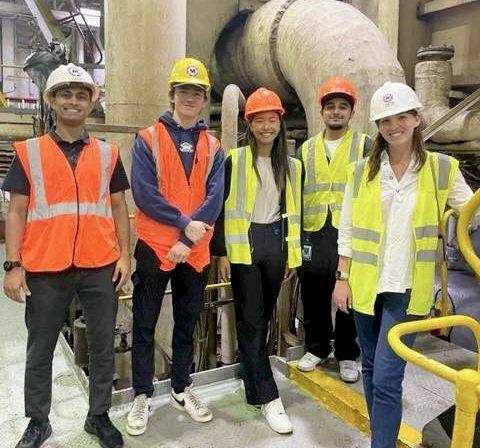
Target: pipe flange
x,y
436,53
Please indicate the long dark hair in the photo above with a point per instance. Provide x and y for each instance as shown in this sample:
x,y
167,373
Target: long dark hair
x,y
380,144
279,155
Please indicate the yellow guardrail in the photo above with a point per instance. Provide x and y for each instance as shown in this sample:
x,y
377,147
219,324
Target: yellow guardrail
x,y
467,381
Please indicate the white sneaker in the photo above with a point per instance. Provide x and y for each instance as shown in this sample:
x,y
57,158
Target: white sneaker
x,y
191,404
309,361
137,418
349,371
276,416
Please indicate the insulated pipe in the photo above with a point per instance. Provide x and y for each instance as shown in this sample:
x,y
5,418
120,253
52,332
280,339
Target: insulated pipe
x,y
233,102
433,80
293,46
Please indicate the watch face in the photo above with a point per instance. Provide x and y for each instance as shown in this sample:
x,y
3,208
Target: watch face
x,y
9,265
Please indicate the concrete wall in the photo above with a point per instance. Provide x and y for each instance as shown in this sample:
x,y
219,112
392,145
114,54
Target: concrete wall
x,y
413,33
459,26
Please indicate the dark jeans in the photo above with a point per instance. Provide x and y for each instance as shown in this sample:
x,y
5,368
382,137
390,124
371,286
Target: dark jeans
x,y
382,369
45,312
317,278
255,291
187,299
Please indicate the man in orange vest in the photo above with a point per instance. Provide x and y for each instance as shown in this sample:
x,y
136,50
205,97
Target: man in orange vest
x,y
177,184
67,234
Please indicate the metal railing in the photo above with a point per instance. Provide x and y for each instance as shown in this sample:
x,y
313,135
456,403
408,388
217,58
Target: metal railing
x,y
466,381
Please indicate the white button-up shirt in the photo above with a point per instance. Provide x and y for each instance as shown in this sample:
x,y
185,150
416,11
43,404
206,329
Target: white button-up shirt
x,y
398,204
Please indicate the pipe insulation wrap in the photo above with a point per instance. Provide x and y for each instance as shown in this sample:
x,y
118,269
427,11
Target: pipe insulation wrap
x,y
433,80
293,46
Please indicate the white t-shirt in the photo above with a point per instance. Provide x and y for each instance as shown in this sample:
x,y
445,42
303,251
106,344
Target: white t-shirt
x,y
267,202
331,146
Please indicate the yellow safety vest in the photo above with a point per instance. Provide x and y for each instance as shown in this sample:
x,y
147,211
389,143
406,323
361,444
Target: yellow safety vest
x,y
368,231
324,183
240,204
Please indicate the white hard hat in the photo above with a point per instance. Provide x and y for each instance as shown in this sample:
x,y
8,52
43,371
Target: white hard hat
x,y
65,75
391,99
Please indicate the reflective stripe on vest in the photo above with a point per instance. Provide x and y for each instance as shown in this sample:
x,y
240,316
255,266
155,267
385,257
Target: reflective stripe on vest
x,y
368,228
42,210
325,188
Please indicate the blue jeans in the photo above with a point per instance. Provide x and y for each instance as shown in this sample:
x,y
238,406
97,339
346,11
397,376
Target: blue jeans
x,y
382,369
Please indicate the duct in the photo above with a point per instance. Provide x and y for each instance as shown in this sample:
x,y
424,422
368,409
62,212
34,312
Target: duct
x,y
433,81
293,46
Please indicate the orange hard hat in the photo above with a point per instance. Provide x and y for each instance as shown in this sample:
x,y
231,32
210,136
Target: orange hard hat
x,y
263,100
337,86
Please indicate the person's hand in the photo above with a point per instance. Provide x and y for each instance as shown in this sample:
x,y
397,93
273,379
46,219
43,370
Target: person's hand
x,y
15,283
179,253
196,230
342,295
121,272
223,269
288,273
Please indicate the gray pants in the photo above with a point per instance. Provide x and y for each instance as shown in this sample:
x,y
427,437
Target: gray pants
x,y
45,312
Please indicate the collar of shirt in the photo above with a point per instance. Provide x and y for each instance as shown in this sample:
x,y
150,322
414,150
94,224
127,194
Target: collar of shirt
x,y
387,171
84,138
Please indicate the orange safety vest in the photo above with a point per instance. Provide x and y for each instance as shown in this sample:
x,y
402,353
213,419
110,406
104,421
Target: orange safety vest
x,y
185,194
69,220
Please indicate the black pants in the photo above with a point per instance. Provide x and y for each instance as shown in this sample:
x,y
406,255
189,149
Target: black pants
x,y
255,290
45,312
317,278
187,299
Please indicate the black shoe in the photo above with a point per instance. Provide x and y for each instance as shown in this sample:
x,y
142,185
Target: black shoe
x,y
102,427
35,434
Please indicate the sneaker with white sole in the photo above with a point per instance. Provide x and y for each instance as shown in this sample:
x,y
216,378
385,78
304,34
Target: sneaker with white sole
x,y
137,418
191,404
309,361
349,372
276,416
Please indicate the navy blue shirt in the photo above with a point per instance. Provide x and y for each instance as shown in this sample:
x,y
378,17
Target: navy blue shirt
x,y
144,181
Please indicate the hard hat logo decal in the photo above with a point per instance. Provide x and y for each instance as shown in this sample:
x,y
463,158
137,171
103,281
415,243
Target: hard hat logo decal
x,y
192,71
387,98
74,71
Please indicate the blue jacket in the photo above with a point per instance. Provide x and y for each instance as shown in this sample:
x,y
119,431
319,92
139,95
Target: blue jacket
x,y
144,182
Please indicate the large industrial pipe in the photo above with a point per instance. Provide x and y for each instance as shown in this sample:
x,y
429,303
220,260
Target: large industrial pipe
x,y
433,81
293,46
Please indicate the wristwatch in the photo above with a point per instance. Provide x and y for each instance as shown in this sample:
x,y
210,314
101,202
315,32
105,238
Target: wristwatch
x,y
9,265
340,275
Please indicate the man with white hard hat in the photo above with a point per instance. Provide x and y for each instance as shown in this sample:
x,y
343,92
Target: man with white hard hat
x,y
67,234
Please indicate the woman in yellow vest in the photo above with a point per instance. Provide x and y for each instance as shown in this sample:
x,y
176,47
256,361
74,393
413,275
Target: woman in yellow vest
x,y
258,240
388,240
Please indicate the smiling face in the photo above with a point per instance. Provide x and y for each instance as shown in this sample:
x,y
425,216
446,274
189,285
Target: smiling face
x,y
72,105
336,113
397,130
265,127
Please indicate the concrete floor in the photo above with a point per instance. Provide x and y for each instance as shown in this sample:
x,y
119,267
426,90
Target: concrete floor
x,y
235,423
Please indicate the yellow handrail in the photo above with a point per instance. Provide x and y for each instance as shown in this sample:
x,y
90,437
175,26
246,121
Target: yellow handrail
x,y
463,237
467,381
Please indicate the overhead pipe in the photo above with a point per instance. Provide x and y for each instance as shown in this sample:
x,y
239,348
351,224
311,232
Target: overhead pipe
x,y
433,81
293,46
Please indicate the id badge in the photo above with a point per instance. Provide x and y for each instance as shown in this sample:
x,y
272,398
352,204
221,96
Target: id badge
x,y
307,252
